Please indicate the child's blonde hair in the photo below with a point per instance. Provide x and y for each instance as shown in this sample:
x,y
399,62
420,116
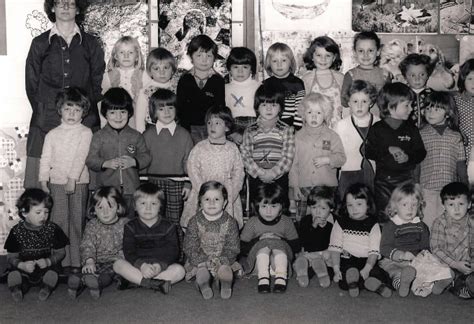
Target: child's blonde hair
x,y
402,191
317,99
283,49
113,63
160,54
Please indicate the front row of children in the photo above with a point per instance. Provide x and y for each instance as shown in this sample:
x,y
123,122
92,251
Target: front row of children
x,y
144,251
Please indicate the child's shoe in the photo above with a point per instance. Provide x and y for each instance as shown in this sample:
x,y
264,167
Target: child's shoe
x,y
406,278
206,290
163,286
17,293
470,284
224,277
44,292
280,285
92,282
74,285
321,270
50,280
122,283
303,280
264,285
375,285
440,285
352,279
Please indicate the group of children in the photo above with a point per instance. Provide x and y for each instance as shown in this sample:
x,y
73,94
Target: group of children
x,y
348,147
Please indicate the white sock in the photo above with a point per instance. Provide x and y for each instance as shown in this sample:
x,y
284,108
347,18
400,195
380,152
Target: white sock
x,y
263,264
281,268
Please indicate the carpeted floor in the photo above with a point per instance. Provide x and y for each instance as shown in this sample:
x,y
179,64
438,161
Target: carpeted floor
x,y
185,305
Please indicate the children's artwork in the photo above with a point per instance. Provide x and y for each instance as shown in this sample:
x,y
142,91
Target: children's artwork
x,y
395,16
456,17
180,21
466,48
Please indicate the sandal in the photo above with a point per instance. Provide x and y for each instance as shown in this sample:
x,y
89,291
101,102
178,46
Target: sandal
x,y
264,288
352,279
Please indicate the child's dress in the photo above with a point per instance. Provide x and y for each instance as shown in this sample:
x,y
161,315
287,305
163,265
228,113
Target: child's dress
x,y
465,106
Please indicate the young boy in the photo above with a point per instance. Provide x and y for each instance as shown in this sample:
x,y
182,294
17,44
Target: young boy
x,y
452,238
393,143
63,172
150,244
199,88
35,246
117,151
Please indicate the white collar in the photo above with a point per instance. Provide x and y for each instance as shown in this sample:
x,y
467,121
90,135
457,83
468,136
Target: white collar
x,y
398,221
171,127
55,31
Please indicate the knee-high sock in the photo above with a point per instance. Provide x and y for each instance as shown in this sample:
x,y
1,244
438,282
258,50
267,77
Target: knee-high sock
x,y
263,265
281,265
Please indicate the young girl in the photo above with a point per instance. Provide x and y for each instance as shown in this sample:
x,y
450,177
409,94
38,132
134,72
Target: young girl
x,y
101,244
465,105
319,150
212,244
63,171
280,65
200,88
160,67
324,58
445,159
217,159
270,240
354,245
366,51
62,57
353,132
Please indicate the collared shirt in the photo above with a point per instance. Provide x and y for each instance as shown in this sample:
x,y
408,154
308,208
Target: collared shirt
x,y
171,127
68,39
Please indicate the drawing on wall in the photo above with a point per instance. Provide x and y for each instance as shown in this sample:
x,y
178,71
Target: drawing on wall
x,y
395,16
466,48
37,22
456,17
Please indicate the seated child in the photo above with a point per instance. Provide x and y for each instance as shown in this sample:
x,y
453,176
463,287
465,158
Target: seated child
x,y
35,246
150,244
211,243
314,232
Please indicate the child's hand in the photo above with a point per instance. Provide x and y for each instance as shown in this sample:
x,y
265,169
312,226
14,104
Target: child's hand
x,y
44,186
147,270
27,266
89,267
463,266
337,276
156,269
364,273
298,194
185,193
70,186
269,236
126,162
113,164
398,154
321,161
42,263
267,177
408,256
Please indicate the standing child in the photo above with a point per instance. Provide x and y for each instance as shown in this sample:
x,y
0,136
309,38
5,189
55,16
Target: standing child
x,y
452,238
160,67
35,246
270,239
62,57
314,233
199,88
240,91
394,143
445,160
216,159
101,245
150,244
212,242
355,244
117,151
324,59
280,65
319,151
63,171
353,132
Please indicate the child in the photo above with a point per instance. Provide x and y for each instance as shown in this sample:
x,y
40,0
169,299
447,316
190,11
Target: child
x,y
353,132
465,105
354,244
35,246
117,151
416,69
314,233
319,150
216,159
212,242
268,146
324,58
367,54
445,160
240,92
280,65
393,143
199,88
270,240
150,244
101,245
452,237
160,67
170,145
56,62
63,171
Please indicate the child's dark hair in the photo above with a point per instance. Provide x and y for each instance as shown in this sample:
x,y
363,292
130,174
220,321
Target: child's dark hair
x,y
241,56
222,112
81,6
453,190
368,35
359,191
151,189
269,94
329,45
160,98
444,100
160,54
391,94
75,96
415,59
33,197
364,87
402,191
202,42
319,193
108,192
212,185
466,68
117,99
270,193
